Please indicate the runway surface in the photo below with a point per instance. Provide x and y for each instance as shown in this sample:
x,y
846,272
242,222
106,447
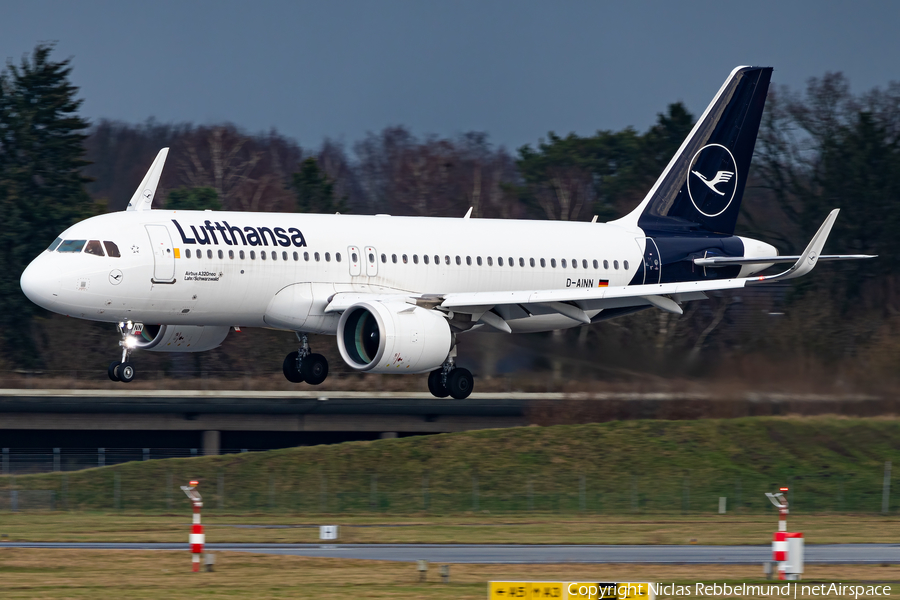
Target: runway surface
x,y
512,554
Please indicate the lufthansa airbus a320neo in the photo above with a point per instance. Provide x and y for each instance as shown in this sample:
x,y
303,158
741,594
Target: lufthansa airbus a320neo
x,y
398,292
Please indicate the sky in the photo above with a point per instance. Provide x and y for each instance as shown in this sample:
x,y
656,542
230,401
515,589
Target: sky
x,y
516,70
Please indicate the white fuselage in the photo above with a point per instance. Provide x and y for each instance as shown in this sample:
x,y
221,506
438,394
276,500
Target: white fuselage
x,y
176,279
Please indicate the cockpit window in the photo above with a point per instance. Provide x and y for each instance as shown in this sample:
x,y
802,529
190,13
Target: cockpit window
x,y
55,243
71,246
113,251
94,247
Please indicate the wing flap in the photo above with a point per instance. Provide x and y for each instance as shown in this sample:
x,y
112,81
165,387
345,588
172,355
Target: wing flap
x,y
465,301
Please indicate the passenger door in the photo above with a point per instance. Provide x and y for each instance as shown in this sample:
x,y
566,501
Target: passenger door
x,y
652,260
163,256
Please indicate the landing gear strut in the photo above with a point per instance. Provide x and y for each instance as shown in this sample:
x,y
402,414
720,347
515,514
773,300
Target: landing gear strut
x,y
303,366
123,370
451,380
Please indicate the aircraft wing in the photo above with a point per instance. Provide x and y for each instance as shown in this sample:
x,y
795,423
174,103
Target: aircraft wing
x,y
575,303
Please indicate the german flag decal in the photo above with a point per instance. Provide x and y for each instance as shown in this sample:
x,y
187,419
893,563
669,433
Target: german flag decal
x,y
603,283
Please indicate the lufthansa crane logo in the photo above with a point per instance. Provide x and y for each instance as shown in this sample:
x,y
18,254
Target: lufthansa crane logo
x,y
714,167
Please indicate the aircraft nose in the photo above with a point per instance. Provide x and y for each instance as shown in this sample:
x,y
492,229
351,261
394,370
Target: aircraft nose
x,y
40,284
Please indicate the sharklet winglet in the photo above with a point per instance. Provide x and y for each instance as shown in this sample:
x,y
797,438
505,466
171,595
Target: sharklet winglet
x,y
143,195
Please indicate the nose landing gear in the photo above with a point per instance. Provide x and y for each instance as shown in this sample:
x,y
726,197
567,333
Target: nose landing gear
x,y
302,365
123,370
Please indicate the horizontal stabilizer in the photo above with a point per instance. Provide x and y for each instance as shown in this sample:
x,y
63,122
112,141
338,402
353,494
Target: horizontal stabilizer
x,y
143,195
806,261
728,261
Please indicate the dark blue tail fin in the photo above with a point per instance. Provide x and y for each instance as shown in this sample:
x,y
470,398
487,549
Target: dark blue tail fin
x,y
701,189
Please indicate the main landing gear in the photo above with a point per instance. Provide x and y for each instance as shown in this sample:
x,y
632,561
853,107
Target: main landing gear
x,y
123,370
450,380
303,366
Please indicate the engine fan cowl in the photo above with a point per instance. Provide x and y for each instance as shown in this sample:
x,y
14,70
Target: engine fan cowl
x,y
393,337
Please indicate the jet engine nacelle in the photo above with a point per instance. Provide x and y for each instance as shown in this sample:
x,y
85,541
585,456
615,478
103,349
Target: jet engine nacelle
x,y
393,337
177,338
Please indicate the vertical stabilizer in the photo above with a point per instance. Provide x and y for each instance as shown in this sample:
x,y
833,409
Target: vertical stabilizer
x,y
143,196
701,188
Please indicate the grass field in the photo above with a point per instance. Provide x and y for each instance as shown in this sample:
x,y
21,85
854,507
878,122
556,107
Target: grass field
x,y
163,574
633,467
538,529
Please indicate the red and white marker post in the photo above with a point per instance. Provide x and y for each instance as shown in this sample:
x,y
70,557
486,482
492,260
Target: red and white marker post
x,y
197,539
780,543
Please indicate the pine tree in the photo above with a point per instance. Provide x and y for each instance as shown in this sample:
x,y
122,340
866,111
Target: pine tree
x,y
315,192
196,198
41,183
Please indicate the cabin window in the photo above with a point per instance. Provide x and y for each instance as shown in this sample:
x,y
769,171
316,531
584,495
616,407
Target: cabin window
x,y
447,259
241,254
328,257
253,255
584,263
231,254
394,258
337,256
625,264
553,262
415,259
499,261
469,261
384,258
56,243
563,263
284,255
306,256
71,246
316,256
616,264
221,255
478,261
405,259
111,250
512,262
274,255
296,257
543,263
187,253
437,259
353,257
209,254
425,258
522,262
490,261
574,263
606,264
531,261
458,261
262,254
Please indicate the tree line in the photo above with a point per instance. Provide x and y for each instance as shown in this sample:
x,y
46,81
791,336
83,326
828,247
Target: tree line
x,y
819,148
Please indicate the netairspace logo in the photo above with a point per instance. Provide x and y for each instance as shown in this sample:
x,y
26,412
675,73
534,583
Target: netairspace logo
x,y
787,590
